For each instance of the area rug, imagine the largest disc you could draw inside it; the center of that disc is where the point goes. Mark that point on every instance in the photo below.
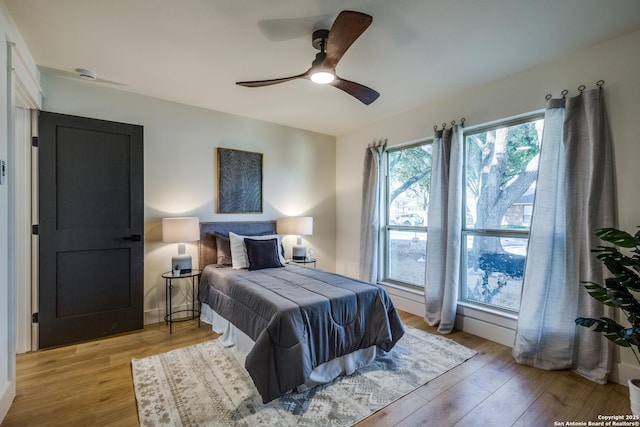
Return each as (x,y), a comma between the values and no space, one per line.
(205,385)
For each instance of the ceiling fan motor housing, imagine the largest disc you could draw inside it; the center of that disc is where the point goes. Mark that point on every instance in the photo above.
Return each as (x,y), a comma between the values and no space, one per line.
(319,39)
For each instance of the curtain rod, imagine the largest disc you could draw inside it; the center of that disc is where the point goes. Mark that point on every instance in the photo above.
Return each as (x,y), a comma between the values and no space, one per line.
(581,88)
(453,122)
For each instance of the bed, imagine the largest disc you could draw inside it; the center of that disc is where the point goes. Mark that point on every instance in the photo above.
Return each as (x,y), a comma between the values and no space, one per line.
(295,326)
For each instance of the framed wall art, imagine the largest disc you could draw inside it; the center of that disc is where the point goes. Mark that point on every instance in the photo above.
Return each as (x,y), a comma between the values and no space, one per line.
(239,181)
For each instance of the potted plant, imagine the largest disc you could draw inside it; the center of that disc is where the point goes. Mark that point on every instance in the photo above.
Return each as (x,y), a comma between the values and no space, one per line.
(176,270)
(618,292)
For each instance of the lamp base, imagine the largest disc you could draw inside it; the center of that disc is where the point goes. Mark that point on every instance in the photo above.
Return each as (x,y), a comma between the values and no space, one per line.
(299,253)
(183,261)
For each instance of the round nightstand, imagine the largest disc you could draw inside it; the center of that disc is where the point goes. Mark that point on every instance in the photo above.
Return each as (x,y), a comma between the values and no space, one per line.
(169,277)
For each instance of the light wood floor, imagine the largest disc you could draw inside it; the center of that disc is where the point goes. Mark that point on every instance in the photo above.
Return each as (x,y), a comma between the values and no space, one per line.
(90,384)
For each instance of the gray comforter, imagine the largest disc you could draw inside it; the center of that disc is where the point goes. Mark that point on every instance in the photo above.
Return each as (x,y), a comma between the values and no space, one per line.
(299,318)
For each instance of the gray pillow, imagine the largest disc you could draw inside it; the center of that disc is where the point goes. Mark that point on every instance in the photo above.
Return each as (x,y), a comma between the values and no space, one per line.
(223,248)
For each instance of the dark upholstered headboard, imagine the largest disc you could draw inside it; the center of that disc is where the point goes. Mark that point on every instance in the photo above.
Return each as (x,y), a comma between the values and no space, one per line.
(207,253)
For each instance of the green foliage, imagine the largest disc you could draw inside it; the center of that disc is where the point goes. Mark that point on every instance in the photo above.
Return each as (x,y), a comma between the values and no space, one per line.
(522,146)
(618,290)
(410,170)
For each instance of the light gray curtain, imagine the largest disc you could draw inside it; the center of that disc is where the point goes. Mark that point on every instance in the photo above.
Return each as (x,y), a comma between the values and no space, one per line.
(575,195)
(371,211)
(444,225)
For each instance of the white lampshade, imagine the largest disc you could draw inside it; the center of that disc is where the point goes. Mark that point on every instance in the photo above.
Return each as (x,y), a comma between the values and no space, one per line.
(299,226)
(180,230)
(296,225)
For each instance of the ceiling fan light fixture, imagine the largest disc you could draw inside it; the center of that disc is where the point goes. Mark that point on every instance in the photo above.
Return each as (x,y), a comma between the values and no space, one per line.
(322,77)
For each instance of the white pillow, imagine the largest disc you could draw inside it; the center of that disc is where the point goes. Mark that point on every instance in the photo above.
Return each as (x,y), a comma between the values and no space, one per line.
(239,258)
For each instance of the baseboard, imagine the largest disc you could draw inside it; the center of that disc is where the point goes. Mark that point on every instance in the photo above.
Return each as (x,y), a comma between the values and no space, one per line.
(6,399)
(621,372)
(153,316)
(492,332)
(405,300)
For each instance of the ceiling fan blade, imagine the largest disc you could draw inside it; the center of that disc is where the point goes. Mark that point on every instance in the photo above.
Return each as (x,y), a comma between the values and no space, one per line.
(346,29)
(260,83)
(365,94)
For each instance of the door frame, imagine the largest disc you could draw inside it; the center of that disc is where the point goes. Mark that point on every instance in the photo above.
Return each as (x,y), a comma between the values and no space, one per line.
(21,224)
(26,94)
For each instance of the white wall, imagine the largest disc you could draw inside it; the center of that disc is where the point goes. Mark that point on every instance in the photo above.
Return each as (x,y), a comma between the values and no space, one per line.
(179,158)
(616,61)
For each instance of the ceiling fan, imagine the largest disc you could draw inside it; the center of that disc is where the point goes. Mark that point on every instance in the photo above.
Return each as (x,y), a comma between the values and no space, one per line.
(332,44)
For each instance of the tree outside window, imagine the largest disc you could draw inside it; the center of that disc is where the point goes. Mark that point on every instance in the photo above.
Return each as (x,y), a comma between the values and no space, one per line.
(408,179)
(501,168)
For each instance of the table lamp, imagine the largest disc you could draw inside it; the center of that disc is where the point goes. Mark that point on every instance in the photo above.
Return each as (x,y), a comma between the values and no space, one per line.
(298,226)
(180,230)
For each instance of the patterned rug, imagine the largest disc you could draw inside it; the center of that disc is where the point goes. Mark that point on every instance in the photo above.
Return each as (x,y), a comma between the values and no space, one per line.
(205,385)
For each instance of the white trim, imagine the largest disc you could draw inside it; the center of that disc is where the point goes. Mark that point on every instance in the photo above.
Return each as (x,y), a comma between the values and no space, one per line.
(486,325)
(488,313)
(621,372)
(25,92)
(7,394)
(34,239)
(28,91)
(507,121)
(410,144)
(409,300)
(7,281)
(156,315)
(21,175)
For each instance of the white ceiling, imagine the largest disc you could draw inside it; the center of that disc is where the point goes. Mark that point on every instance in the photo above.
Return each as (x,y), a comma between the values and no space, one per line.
(415,51)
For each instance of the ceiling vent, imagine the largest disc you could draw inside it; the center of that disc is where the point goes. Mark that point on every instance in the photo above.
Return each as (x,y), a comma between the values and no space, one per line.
(86,74)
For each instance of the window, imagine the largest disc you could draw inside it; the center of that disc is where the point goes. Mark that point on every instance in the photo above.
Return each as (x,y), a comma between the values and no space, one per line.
(407,196)
(500,168)
(500,171)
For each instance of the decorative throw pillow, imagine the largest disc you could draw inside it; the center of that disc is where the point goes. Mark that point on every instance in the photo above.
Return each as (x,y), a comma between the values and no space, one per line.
(223,249)
(262,253)
(239,251)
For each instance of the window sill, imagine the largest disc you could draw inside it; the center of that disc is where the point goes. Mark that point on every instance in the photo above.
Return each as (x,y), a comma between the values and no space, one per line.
(466,306)
(407,289)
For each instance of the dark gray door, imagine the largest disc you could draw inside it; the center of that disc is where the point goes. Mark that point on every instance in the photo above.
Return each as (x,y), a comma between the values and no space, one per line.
(90,227)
